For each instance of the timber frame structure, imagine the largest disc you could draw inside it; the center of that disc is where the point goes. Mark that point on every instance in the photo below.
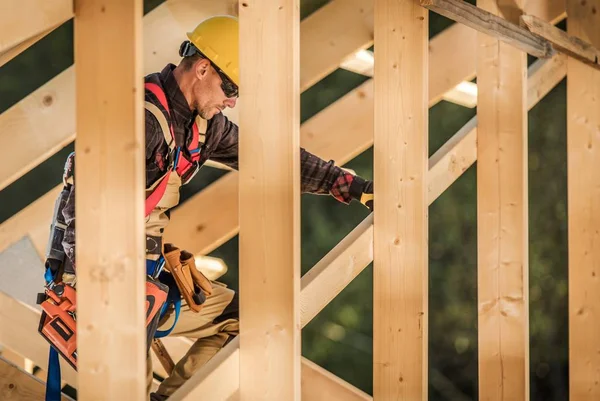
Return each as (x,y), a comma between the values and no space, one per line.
(389,112)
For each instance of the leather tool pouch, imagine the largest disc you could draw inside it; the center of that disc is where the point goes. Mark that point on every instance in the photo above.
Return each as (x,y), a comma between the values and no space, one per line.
(192,284)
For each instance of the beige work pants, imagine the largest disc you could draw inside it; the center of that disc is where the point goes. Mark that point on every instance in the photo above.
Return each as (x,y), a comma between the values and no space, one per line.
(210,337)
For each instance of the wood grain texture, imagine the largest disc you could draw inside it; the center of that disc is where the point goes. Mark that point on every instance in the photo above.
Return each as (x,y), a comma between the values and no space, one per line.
(502,214)
(400,245)
(21,20)
(570,45)
(269,200)
(490,24)
(18,331)
(325,39)
(18,385)
(583,180)
(109,204)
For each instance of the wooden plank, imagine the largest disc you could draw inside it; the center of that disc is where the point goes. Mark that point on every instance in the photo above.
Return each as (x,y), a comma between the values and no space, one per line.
(570,45)
(18,331)
(269,195)
(21,20)
(18,385)
(400,220)
(502,211)
(111,332)
(328,27)
(14,51)
(460,152)
(490,24)
(319,384)
(543,76)
(325,280)
(583,180)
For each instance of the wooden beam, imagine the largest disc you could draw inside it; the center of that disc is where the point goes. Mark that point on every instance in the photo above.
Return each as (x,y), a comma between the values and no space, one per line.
(319,384)
(325,39)
(111,333)
(18,331)
(325,280)
(18,385)
(14,51)
(570,45)
(490,24)
(22,20)
(269,200)
(583,179)
(502,216)
(400,152)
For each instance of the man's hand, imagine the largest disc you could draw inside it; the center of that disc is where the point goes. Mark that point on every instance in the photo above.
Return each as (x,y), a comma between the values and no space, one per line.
(367,196)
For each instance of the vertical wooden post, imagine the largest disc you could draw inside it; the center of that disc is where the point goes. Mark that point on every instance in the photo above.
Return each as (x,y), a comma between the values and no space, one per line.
(502,215)
(269,200)
(110,197)
(583,155)
(400,221)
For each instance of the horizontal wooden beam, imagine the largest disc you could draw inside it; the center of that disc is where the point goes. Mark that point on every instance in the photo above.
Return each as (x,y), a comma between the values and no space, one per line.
(319,384)
(22,20)
(570,45)
(325,39)
(18,385)
(488,23)
(321,284)
(14,51)
(19,332)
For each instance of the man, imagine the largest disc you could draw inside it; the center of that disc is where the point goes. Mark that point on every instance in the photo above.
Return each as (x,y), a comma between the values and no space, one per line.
(185,127)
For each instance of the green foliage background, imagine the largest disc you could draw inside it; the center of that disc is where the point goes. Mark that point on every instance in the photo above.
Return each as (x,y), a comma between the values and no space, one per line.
(340,337)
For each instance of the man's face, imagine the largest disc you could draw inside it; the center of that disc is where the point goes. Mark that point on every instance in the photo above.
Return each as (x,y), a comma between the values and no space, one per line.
(208,93)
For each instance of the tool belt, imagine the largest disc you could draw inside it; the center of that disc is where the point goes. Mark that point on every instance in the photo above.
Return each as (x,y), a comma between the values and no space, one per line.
(192,284)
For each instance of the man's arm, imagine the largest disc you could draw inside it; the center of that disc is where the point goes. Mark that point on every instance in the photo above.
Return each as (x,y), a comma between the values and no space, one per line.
(324,177)
(317,175)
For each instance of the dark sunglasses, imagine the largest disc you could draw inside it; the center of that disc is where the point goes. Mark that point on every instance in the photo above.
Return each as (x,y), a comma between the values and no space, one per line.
(229,88)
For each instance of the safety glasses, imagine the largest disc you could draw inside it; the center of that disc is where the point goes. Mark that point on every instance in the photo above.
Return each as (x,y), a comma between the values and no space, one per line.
(229,88)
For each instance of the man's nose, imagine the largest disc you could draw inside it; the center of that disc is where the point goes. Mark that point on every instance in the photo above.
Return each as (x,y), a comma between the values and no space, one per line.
(230,102)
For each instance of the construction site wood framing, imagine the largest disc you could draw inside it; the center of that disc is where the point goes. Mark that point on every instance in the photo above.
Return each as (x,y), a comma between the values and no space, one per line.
(389,112)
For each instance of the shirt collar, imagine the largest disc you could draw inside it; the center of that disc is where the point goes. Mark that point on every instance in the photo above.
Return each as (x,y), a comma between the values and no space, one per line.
(181,114)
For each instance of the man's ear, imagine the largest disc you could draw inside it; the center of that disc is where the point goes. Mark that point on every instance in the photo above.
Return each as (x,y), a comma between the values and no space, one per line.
(201,68)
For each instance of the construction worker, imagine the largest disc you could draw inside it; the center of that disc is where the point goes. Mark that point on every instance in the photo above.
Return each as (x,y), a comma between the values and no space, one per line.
(185,127)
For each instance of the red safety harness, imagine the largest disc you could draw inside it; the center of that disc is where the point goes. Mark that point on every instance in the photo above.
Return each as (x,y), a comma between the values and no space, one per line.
(185,169)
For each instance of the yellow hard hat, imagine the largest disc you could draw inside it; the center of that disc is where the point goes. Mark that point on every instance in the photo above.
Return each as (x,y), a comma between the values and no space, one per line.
(217,38)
